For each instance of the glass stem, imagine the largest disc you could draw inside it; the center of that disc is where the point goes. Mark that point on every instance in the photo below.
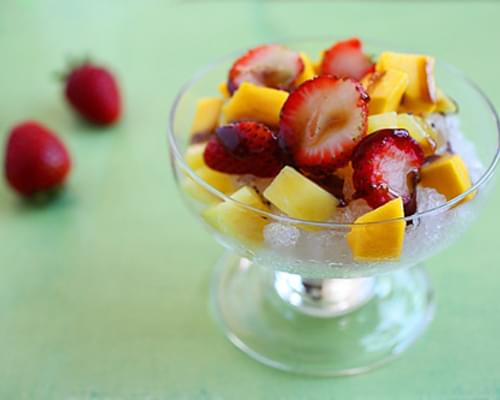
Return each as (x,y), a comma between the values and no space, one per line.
(323,298)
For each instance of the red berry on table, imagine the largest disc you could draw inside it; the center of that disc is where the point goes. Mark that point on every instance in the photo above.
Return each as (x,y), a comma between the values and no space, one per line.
(386,164)
(94,93)
(346,59)
(245,147)
(321,122)
(271,65)
(36,160)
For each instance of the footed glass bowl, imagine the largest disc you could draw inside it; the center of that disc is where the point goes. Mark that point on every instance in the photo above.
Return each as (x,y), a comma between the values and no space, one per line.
(297,300)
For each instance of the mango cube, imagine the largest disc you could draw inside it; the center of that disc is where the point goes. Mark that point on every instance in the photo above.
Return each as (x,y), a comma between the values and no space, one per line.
(224,183)
(206,117)
(415,127)
(420,94)
(317,65)
(299,197)
(236,221)
(194,155)
(444,104)
(251,102)
(382,241)
(223,90)
(386,90)
(197,192)
(438,140)
(308,71)
(448,175)
(382,121)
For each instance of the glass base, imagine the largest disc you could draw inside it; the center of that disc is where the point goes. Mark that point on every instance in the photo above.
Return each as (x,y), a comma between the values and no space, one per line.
(270,327)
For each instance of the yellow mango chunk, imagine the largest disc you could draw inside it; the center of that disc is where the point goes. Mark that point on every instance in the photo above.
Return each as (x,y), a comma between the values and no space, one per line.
(415,127)
(194,155)
(378,242)
(382,121)
(386,90)
(444,104)
(237,221)
(206,117)
(223,90)
(251,102)
(198,192)
(317,65)
(308,72)
(448,175)
(299,197)
(420,95)
(367,80)
(224,183)
(438,141)
(416,108)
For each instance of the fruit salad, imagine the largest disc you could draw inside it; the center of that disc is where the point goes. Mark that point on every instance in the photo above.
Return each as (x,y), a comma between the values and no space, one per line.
(348,140)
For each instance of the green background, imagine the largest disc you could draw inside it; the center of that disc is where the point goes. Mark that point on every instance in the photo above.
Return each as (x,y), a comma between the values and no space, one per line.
(103,293)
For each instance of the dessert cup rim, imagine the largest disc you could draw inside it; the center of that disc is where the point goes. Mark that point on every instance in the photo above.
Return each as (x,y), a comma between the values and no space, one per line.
(201,73)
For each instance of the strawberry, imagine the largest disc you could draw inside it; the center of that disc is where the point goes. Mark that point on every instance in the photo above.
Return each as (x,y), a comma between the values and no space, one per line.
(94,94)
(386,165)
(321,122)
(36,159)
(245,147)
(271,65)
(346,59)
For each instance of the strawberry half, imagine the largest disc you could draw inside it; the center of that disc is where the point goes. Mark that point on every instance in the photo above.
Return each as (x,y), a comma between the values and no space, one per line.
(346,59)
(386,165)
(36,160)
(245,147)
(271,65)
(321,122)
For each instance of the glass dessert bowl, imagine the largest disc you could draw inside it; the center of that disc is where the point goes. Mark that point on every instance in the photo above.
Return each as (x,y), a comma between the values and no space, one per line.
(345,290)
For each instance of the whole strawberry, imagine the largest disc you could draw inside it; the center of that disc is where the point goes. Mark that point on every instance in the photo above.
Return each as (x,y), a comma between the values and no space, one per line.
(36,160)
(94,94)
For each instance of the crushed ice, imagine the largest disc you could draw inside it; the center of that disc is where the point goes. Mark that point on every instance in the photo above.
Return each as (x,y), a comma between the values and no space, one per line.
(280,235)
(425,236)
(428,198)
(449,128)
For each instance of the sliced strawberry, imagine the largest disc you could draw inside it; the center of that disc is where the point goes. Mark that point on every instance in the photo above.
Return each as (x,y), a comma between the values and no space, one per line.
(346,59)
(386,165)
(321,122)
(245,147)
(217,157)
(271,65)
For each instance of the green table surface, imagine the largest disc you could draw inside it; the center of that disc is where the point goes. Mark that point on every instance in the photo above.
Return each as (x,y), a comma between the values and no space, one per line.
(104,293)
